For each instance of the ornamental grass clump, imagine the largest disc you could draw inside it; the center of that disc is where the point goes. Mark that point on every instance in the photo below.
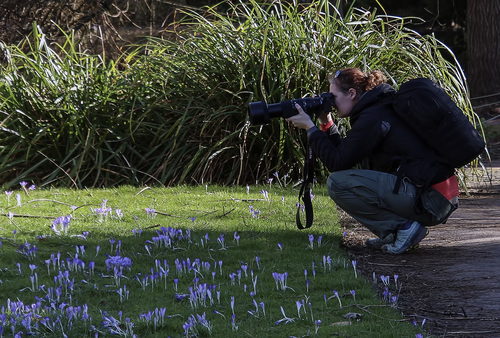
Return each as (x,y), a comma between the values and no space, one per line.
(175,111)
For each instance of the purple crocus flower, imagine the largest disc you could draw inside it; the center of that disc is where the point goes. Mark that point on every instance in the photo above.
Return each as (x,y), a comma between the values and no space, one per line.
(118,261)
(61,225)
(151,212)
(119,213)
(265,194)
(336,294)
(317,325)
(221,241)
(244,267)
(234,327)
(311,241)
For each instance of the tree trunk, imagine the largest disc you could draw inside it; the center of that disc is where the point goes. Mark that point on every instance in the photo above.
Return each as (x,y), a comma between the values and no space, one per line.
(483,26)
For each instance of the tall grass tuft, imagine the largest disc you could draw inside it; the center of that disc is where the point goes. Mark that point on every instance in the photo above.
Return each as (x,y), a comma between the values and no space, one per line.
(61,114)
(175,111)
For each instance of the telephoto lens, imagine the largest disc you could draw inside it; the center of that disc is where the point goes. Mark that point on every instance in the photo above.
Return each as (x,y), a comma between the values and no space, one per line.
(261,113)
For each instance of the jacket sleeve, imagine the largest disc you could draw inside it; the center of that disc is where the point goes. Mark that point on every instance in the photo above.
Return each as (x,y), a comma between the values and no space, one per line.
(344,153)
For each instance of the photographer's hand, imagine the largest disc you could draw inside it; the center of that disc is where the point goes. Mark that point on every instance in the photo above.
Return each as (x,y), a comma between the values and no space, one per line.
(301,120)
(325,118)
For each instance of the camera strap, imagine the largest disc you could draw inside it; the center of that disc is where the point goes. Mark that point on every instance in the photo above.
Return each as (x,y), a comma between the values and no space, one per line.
(305,191)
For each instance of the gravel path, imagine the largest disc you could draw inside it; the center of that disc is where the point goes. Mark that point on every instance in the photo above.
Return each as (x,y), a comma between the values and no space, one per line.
(453,279)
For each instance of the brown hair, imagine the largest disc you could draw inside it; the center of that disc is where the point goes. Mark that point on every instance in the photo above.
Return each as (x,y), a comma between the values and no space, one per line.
(354,78)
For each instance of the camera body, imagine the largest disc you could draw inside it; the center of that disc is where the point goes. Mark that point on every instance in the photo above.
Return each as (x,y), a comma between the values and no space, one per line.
(261,113)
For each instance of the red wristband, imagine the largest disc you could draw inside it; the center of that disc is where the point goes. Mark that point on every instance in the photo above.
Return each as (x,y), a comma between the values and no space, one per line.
(326,126)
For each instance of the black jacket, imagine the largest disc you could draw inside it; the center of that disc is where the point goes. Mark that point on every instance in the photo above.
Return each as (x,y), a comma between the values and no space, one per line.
(379,140)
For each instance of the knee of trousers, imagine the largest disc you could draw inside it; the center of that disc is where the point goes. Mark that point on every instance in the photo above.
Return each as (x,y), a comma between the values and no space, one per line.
(336,184)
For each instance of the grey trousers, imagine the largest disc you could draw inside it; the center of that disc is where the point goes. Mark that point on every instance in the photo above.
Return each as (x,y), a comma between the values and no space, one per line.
(368,197)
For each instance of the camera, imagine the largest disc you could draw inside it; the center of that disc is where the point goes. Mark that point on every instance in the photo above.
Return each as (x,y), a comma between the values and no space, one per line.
(261,113)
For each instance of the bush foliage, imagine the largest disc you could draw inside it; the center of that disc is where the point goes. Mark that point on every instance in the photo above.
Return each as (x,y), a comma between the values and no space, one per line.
(175,111)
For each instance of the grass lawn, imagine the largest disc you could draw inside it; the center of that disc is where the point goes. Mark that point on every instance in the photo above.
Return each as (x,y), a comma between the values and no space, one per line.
(185,261)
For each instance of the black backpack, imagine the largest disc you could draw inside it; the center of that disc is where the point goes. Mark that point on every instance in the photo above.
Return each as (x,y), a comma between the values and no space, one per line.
(424,106)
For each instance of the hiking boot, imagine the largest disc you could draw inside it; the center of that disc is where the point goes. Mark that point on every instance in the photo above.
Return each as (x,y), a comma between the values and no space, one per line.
(377,243)
(406,239)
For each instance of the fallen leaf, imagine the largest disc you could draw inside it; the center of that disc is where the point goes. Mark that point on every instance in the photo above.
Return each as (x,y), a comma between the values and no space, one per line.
(353,315)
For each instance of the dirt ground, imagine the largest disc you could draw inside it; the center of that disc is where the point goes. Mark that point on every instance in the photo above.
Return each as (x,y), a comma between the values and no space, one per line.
(453,279)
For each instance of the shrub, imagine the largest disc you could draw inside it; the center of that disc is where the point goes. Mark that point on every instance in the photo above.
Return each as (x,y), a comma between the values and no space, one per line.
(175,111)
